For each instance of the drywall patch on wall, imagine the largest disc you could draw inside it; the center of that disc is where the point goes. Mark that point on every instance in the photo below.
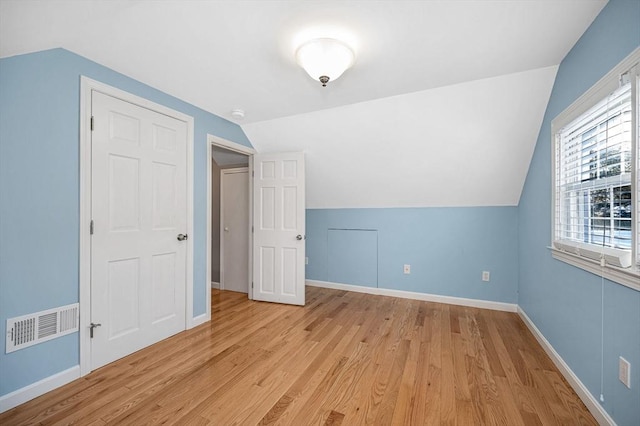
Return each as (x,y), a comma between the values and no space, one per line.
(353,256)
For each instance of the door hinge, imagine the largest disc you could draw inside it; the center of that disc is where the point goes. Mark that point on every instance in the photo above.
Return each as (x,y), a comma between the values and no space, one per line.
(251,284)
(252,229)
(253,174)
(92,123)
(91,227)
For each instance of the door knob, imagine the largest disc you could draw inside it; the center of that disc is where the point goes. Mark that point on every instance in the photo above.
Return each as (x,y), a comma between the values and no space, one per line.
(91,327)
(182,237)
(298,237)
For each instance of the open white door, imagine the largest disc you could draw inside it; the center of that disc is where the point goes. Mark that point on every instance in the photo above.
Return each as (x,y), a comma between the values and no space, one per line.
(279,228)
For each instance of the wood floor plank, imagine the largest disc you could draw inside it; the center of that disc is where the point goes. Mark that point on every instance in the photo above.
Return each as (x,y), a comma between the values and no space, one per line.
(432,371)
(388,402)
(508,402)
(448,383)
(571,402)
(345,358)
(269,385)
(334,419)
(337,397)
(314,374)
(313,403)
(276,410)
(402,410)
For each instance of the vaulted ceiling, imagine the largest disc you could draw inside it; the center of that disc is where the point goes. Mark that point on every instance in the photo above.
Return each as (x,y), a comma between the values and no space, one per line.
(442,107)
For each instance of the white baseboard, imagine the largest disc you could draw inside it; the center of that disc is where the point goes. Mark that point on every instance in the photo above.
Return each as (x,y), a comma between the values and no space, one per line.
(38,388)
(474,303)
(215,285)
(589,400)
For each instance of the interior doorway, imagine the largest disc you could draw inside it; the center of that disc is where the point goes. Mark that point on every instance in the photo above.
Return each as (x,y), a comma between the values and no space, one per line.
(228,272)
(276,222)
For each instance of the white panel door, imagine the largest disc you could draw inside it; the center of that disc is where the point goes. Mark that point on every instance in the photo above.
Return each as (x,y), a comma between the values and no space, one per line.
(234,218)
(138,208)
(279,228)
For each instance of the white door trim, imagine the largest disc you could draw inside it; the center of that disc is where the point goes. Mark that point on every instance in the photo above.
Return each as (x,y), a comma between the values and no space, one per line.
(218,141)
(86,87)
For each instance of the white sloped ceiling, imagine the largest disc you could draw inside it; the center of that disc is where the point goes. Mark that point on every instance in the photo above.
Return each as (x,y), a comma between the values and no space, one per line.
(464,145)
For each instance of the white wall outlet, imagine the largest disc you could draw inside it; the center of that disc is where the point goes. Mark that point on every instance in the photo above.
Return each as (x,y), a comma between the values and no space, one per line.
(624,372)
(306,260)
(407,269)
(486,275)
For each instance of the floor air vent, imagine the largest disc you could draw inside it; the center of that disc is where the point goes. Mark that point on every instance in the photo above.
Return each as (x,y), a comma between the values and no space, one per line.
(39,327)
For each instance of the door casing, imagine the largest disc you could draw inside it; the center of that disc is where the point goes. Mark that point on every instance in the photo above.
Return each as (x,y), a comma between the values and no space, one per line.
(88,85)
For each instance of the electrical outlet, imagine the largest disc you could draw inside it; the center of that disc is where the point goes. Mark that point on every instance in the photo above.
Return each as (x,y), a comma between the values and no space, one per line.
(486,275)
(624,372)
(306,260)
(407,269)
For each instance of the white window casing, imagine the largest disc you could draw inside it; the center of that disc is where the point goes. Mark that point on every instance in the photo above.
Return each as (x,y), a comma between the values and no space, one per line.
(596,178)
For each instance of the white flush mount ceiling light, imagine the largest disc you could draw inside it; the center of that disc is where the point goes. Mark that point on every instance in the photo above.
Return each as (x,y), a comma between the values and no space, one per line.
(325,59)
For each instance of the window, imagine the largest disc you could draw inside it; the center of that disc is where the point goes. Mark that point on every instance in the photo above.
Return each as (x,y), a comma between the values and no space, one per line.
(596,177)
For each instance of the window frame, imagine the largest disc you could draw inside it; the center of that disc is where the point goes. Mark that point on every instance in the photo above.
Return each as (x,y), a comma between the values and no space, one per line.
(570,252)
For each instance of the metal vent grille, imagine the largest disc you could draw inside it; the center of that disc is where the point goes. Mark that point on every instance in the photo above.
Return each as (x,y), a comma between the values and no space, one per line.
(39,327)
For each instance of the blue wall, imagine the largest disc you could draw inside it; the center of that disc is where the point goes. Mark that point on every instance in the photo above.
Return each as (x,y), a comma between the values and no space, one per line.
(39,196)
(447,248)
(353,256)
(563,301)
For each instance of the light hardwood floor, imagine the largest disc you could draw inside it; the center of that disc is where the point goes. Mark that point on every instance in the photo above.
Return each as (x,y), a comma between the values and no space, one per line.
(345,358)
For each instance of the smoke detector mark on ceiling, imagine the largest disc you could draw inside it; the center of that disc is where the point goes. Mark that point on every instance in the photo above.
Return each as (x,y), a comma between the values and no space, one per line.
(237,113)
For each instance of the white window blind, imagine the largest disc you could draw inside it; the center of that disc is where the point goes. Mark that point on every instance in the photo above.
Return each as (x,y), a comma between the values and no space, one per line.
(593,177)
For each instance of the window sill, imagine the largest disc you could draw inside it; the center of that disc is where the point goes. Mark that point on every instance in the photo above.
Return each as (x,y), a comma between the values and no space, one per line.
(629,277)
